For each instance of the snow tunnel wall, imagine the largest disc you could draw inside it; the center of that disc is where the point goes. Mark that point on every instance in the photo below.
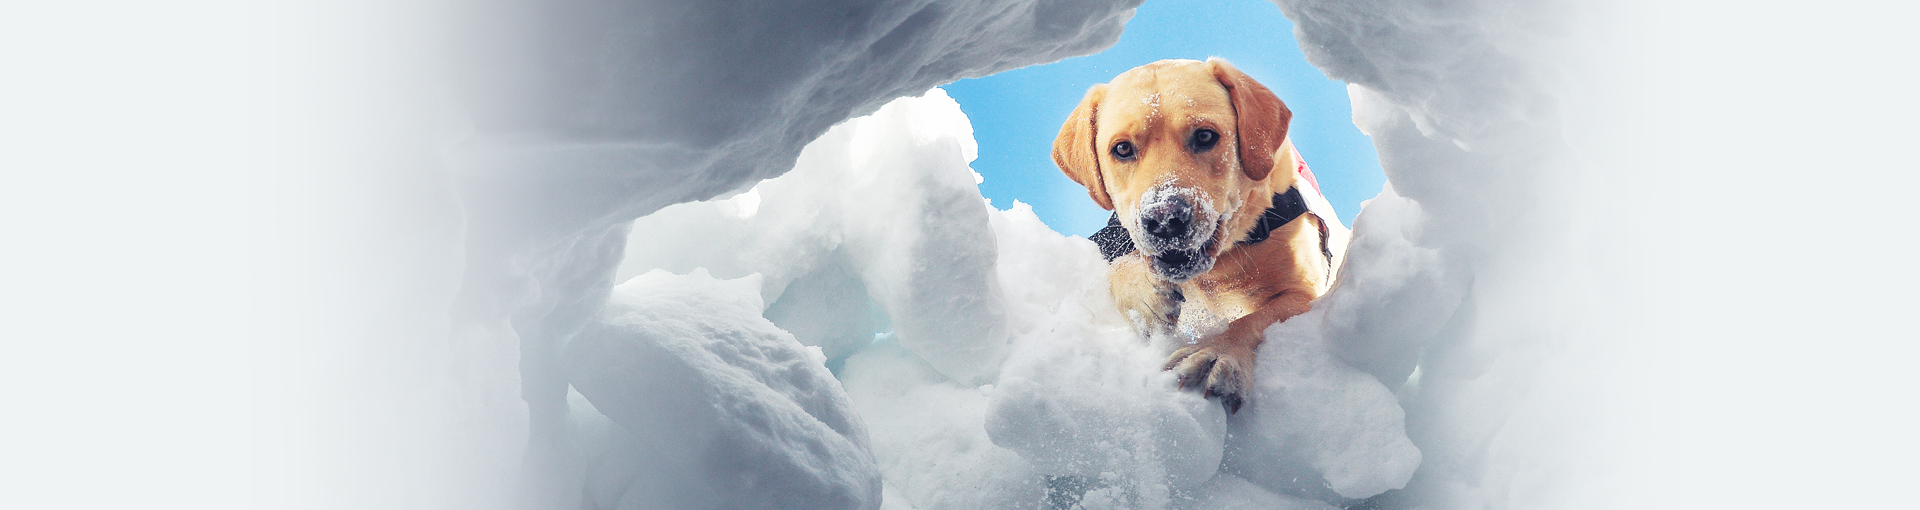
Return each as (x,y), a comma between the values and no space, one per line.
(587,115)
(1483,255)
(236,232)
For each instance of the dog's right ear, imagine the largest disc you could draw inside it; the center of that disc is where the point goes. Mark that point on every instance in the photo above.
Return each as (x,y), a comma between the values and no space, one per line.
(1074,152)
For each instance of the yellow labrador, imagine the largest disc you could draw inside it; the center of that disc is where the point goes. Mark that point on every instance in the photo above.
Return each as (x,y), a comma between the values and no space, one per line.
(1194,160)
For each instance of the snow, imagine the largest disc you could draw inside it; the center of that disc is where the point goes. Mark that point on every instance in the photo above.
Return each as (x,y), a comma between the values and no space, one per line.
(337,254)
(716,407)
(1034,376)
(927,436)
(584,116)
(1228,492)
(880,209)
(576,118)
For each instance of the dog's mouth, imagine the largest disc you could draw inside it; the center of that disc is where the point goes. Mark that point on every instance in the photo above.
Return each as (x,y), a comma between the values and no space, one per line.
(1181,265)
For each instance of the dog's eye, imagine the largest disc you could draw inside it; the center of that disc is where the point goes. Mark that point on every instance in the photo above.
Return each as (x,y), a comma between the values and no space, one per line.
(1204,139)
(1123,150)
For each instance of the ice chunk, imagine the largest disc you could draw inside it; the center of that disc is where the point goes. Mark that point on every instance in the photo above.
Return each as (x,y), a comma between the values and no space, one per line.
(720,408)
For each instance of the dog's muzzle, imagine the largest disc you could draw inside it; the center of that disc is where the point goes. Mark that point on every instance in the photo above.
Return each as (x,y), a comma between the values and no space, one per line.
(1176,235)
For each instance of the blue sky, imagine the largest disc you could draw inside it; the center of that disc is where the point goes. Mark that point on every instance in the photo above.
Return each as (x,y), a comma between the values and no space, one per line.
(1015,114)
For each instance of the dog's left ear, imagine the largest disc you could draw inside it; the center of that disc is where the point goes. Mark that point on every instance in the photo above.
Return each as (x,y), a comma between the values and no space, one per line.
(1073,150)
(1261,118)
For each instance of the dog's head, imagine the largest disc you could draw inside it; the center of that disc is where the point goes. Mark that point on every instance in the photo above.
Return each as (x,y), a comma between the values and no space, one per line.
(1183,151)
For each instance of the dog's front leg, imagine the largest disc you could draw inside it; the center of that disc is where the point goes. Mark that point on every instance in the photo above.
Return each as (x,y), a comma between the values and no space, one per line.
(1223,365)
(1150,303)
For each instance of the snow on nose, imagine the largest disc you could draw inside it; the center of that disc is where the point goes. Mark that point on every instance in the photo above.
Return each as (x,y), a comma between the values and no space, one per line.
(1169,219)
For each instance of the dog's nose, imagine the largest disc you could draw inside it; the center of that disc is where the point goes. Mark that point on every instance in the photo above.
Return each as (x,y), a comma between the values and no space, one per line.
(1169,219)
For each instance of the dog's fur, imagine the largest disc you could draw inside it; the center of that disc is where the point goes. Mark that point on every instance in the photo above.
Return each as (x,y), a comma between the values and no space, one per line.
(1220,190)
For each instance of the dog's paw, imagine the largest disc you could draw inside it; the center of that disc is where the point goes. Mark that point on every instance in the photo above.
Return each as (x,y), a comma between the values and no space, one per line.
(1154,312)
(1151,304)
(1218,368)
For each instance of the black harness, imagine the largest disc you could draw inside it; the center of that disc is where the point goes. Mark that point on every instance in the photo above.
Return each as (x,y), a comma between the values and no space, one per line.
(1114,241)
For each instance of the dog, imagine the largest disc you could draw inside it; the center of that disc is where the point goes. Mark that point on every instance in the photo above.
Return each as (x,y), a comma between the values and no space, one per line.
(1194,159)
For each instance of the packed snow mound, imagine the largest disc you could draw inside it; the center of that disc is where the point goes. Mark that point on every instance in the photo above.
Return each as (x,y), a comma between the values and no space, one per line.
(717,407)
(881,209)
(1069,403)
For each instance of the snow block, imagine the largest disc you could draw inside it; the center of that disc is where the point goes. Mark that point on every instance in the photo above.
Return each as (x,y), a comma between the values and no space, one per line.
(731,411)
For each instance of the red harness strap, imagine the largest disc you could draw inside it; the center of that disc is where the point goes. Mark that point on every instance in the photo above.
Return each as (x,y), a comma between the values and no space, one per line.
(1300,168)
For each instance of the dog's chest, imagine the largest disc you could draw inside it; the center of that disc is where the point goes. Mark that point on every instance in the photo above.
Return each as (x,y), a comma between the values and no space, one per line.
(1224,297)
(1245,277)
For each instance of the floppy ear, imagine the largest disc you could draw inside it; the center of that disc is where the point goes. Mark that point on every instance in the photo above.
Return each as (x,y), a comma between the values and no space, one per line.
(1074,152)
(1260,116)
